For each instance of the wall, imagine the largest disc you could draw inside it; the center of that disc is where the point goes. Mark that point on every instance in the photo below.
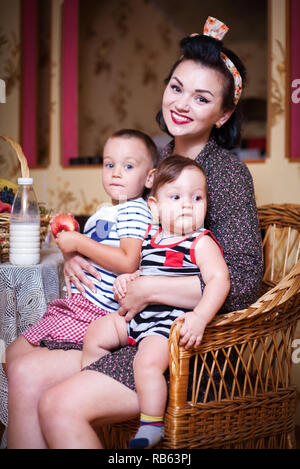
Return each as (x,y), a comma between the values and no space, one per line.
(125,52)
(9,71)
(276,180)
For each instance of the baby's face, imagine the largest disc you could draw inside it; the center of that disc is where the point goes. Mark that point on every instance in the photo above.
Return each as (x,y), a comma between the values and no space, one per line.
(182,203)
(126,165)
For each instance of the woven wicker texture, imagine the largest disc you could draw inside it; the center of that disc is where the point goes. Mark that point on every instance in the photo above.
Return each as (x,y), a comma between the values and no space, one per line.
(234,390)
(5,217)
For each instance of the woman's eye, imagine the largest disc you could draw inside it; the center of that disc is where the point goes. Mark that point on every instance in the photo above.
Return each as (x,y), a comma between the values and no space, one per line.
(201,99)
(175,197)
(175,88)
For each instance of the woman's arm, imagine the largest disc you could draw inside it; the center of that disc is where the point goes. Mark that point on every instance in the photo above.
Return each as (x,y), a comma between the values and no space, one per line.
(233,220)
(125,258)
(180,292)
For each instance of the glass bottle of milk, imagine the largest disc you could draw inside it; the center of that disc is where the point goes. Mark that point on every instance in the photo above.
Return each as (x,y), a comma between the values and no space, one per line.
(24,230)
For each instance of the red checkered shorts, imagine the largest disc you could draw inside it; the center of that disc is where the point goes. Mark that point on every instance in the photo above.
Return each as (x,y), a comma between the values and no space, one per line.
(65,320)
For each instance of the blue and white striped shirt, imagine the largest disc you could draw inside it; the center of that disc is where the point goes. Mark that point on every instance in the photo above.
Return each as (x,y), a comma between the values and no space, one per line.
(107,226)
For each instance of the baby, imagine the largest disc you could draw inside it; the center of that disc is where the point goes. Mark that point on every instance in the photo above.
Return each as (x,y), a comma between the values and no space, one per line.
(179,245)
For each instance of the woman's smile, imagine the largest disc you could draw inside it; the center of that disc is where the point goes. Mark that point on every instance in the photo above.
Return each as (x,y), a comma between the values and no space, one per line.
(180,119)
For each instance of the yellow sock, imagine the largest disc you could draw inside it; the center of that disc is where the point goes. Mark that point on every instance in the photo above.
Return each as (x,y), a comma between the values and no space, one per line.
(151,419)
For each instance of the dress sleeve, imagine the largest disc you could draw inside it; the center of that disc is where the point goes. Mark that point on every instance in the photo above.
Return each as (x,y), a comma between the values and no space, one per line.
(234,222)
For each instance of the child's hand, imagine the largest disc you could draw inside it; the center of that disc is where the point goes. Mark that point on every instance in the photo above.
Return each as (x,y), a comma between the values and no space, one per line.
(120,284)
(67,241)
(192,329)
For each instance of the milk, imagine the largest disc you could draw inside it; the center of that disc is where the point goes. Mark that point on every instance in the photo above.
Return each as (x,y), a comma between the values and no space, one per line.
(24,241)
(24,226)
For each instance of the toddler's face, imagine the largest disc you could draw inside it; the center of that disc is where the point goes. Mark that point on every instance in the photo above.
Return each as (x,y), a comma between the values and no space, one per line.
(126,167)
(182,203)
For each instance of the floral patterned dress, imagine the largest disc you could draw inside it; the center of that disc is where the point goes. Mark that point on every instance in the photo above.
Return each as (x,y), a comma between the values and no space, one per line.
(232,218)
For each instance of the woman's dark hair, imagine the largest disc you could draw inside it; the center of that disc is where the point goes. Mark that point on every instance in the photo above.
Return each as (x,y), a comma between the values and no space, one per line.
(206,51)
(148,142)
(170,168)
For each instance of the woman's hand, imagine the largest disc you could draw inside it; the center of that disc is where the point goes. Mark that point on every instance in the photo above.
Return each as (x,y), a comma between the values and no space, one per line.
(74,268)
(192,329)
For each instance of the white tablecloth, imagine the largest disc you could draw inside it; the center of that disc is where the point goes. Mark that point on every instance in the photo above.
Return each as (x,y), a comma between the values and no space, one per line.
(25,293)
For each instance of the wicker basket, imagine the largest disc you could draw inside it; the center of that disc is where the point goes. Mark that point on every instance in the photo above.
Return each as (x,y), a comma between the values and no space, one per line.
(5,217)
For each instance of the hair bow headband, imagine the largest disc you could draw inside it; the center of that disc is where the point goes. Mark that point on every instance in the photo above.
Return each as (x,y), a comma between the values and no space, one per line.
(216,29)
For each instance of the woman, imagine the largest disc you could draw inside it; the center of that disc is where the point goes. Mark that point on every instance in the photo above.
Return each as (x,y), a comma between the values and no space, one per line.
(55,406)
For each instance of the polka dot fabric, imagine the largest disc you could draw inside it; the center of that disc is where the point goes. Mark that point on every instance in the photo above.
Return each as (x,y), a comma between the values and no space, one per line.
(232,218)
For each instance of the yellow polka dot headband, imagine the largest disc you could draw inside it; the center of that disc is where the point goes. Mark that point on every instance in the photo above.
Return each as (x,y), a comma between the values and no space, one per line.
(216,29)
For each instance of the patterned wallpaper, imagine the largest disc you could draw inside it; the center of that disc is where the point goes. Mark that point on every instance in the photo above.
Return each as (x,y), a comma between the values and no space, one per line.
(277,97)
(10,73)
(126,49)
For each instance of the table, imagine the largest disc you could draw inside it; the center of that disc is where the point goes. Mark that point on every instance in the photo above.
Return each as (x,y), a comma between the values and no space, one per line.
(25,293)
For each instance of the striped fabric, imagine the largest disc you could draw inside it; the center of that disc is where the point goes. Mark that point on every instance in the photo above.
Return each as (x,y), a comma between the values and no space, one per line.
(171,259)
(151,420)
(107,226)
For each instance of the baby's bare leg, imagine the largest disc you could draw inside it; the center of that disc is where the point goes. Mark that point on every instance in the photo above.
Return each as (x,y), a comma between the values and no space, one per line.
(150,363)
(102,336)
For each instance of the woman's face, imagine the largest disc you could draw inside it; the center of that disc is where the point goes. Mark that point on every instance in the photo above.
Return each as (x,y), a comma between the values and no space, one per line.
(192,101)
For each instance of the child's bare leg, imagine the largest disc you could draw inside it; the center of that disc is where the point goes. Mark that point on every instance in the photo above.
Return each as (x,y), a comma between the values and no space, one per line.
(150,363)
(102,336)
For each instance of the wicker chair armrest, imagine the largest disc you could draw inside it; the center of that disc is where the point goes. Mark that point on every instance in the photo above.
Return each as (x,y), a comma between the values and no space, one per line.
(279,214)
(269,313)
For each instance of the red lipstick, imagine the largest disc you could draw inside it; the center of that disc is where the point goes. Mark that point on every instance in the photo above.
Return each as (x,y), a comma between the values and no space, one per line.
(180,119)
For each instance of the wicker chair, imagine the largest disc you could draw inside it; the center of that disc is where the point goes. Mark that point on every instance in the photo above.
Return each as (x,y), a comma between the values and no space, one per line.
(235,390)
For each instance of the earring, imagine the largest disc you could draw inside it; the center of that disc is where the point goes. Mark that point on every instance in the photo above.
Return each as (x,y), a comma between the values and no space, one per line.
(218,125)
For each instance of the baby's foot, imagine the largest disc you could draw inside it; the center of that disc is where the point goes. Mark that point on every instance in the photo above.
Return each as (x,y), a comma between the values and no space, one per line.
(147,436)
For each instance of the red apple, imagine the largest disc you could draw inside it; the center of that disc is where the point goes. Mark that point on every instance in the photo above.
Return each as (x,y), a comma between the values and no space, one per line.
(63,222)
(4,207)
